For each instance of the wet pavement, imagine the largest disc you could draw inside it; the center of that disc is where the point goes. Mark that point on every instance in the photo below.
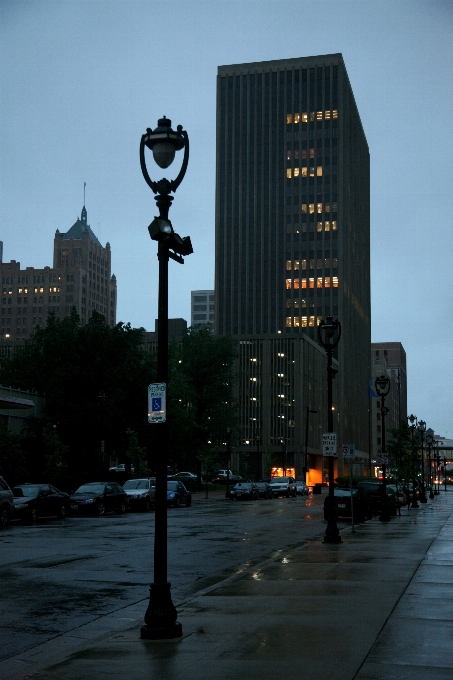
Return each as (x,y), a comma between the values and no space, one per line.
(377,606)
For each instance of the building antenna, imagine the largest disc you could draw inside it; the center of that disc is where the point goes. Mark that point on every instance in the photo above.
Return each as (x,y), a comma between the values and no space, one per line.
(84,185)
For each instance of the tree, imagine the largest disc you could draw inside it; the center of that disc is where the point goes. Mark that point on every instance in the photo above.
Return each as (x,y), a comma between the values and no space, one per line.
(404,454)
(72,365)
(201,394)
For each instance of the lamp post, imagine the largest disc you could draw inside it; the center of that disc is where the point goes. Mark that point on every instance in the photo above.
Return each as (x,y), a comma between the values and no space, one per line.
(382,385)
(413,424)
(422,430)
(329,333)
(308,411)
(429,441)
(161,615)
(438,471)
(228,432)
(258,455)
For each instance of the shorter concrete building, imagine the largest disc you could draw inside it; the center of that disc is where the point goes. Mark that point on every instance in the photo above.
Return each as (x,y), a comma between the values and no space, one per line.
(202,308)
(176,329)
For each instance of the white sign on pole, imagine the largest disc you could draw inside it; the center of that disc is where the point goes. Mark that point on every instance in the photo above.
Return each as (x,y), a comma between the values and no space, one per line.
(329,444)
(157,403)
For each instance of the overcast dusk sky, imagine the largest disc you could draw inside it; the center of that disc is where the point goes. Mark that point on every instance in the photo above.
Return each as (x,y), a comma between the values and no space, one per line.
(82,80)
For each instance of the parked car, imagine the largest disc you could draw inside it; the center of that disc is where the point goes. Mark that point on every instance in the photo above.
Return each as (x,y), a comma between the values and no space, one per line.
(245,491)
(97,498)
(184,476)
(283,486)
(177,494)
(401,498)
(39,500)
(342,501)
(301,488)
(374,491)
(6,503)
(264,490)
(141,493)
(221,477)
(122,468)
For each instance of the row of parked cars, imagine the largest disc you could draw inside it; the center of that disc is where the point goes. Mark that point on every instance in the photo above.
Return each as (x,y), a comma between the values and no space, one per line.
(276,486)
(27,502)
(363,501)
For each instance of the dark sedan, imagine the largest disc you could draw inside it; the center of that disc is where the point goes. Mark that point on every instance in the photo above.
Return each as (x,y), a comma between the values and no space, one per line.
(264,490)
(177,494)
(97,498)
(244,491)
(342,504)
(39,500)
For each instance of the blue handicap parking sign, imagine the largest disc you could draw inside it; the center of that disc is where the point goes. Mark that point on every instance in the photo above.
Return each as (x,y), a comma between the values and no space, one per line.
(157,404)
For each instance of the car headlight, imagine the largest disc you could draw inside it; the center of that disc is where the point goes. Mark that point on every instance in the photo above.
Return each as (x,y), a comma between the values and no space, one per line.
(22,506)
(172,495)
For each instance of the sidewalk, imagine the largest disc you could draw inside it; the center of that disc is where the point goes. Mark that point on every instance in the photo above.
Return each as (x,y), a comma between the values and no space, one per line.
(377,606)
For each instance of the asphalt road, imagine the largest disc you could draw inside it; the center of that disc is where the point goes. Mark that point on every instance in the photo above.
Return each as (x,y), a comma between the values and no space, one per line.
(60,574)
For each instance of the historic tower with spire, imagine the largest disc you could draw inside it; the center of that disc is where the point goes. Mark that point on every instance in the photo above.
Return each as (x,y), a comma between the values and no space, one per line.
(80,277)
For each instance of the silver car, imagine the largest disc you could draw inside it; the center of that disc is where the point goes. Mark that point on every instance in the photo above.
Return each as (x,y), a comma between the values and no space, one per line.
(283,486)
(301,488)
(141,493)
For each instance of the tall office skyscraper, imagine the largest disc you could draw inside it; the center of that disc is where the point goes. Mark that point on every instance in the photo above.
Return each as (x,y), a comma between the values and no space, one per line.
(292,215)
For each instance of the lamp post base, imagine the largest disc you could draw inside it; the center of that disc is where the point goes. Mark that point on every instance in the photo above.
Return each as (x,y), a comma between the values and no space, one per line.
(161,615)
(431,494)
(332,534)
(384,517)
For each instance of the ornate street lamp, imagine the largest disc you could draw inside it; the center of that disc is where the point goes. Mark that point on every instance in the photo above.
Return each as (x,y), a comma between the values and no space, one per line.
(382,385)
(329,333)
(161,615)
(422,430)
(429,441)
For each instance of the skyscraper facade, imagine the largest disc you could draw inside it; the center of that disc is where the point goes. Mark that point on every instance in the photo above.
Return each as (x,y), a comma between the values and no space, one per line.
(80,277)
(292,216)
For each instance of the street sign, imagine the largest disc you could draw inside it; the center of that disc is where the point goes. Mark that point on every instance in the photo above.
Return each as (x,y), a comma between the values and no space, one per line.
(329,444)
(382,458)
(348,450)
(157,403)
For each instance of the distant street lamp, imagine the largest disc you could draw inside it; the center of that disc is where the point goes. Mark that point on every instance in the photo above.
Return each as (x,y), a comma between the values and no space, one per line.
(438,471)
(429,441)
(329,333)
(308,411)
(228,432)
(422,430)
(413,424)
(382,385)
(161,615)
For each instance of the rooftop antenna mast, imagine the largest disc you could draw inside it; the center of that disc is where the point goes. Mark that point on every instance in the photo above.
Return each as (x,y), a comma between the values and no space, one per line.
(84,185)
